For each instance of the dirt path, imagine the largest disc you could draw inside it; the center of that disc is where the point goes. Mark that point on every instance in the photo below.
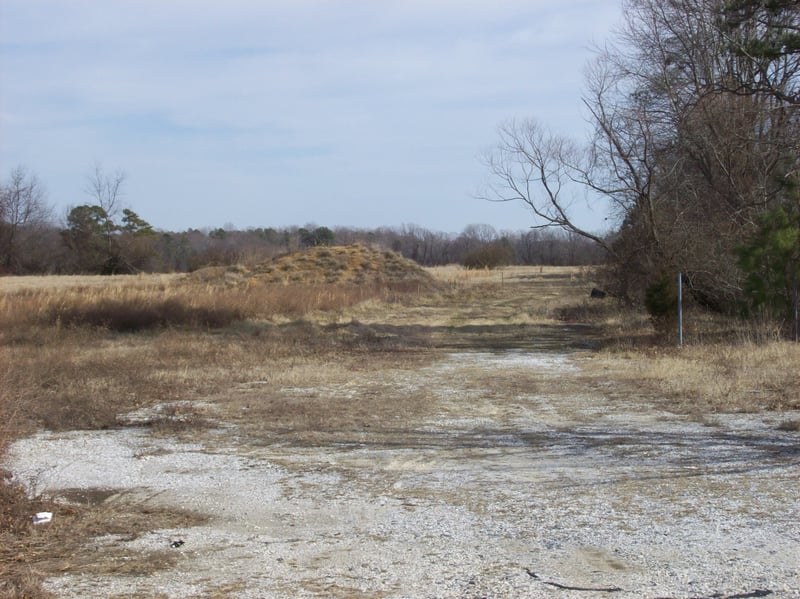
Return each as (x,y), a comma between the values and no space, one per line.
(545,488)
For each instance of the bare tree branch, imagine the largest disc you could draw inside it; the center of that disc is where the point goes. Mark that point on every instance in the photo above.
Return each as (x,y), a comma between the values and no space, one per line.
(531,166)
(104,189)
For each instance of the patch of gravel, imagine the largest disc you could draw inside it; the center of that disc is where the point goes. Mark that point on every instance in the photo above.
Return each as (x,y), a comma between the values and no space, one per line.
(550,495)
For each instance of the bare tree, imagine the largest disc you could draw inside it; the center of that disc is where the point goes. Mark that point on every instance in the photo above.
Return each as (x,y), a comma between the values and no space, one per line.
(106,191)
(695,135)
(532,166)
(716,132)
(479,234)
(23,212)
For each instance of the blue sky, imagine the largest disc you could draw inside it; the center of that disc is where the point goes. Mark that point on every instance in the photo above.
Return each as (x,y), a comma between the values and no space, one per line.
(289,112)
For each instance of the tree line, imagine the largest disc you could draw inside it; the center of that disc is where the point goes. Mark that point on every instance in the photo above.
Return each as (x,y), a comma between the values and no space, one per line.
(104,237)
(694,107)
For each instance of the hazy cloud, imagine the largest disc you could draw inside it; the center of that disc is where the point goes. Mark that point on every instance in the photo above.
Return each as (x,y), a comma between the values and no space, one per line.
(284,112)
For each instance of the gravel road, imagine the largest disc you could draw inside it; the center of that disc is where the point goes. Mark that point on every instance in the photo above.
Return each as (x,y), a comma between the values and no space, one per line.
(539,493)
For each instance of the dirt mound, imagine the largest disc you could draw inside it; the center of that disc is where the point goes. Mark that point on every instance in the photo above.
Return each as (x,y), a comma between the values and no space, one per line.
(351,264)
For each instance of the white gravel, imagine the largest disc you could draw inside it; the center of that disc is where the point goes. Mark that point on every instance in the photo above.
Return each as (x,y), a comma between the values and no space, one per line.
(566,497)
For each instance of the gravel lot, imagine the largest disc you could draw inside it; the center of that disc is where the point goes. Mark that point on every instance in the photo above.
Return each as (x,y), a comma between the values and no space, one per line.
(539,493)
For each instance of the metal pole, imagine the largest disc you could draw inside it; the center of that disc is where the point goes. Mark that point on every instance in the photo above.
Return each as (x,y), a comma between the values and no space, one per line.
(680,309)
(796,318)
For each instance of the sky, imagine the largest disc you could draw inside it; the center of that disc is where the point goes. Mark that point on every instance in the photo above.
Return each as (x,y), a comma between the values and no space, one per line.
(279,113)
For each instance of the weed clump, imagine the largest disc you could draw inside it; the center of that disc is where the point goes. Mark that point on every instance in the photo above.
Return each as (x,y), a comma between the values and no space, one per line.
(124,316)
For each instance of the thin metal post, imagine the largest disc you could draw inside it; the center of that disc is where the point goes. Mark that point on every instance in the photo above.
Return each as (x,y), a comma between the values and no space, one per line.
(680,309)
(796,318)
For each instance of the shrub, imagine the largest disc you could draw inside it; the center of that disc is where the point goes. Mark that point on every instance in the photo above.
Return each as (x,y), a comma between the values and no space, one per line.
(490,255)
(661,301)
(127,316)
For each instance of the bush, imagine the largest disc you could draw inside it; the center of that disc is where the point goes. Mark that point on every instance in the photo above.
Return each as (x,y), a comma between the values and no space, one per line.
(661,301)
(491,255)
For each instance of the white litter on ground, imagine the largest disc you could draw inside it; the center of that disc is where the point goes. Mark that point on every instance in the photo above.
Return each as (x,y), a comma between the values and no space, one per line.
(42,517)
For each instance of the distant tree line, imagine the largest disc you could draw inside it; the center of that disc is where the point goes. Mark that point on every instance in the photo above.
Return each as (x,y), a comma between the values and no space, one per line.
(103,237)
(695,107)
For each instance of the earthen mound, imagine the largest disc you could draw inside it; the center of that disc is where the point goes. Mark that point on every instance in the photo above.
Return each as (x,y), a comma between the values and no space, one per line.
(350,264)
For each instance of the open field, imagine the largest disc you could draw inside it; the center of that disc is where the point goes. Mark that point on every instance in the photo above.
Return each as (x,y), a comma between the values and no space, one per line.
(493,434)
(13,284)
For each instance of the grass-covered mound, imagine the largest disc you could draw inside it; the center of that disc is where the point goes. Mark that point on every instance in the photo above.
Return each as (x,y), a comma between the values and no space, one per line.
(351,264)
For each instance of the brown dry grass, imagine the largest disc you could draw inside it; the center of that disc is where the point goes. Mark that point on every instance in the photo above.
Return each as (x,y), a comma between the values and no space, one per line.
(708,378)
(50,282)
(136,307)
(80,355)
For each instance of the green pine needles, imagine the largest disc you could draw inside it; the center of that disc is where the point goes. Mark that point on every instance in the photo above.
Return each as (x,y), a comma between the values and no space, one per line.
(771,263)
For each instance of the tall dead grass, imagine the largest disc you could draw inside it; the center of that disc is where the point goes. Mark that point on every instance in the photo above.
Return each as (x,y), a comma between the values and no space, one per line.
(134,308)
(745,373)
(725,365)
(745,377)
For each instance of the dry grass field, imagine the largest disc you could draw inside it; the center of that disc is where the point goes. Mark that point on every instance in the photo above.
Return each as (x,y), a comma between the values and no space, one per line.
(77,353)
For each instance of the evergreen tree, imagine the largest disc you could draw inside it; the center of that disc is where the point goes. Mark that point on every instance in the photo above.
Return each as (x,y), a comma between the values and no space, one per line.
(771,262)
